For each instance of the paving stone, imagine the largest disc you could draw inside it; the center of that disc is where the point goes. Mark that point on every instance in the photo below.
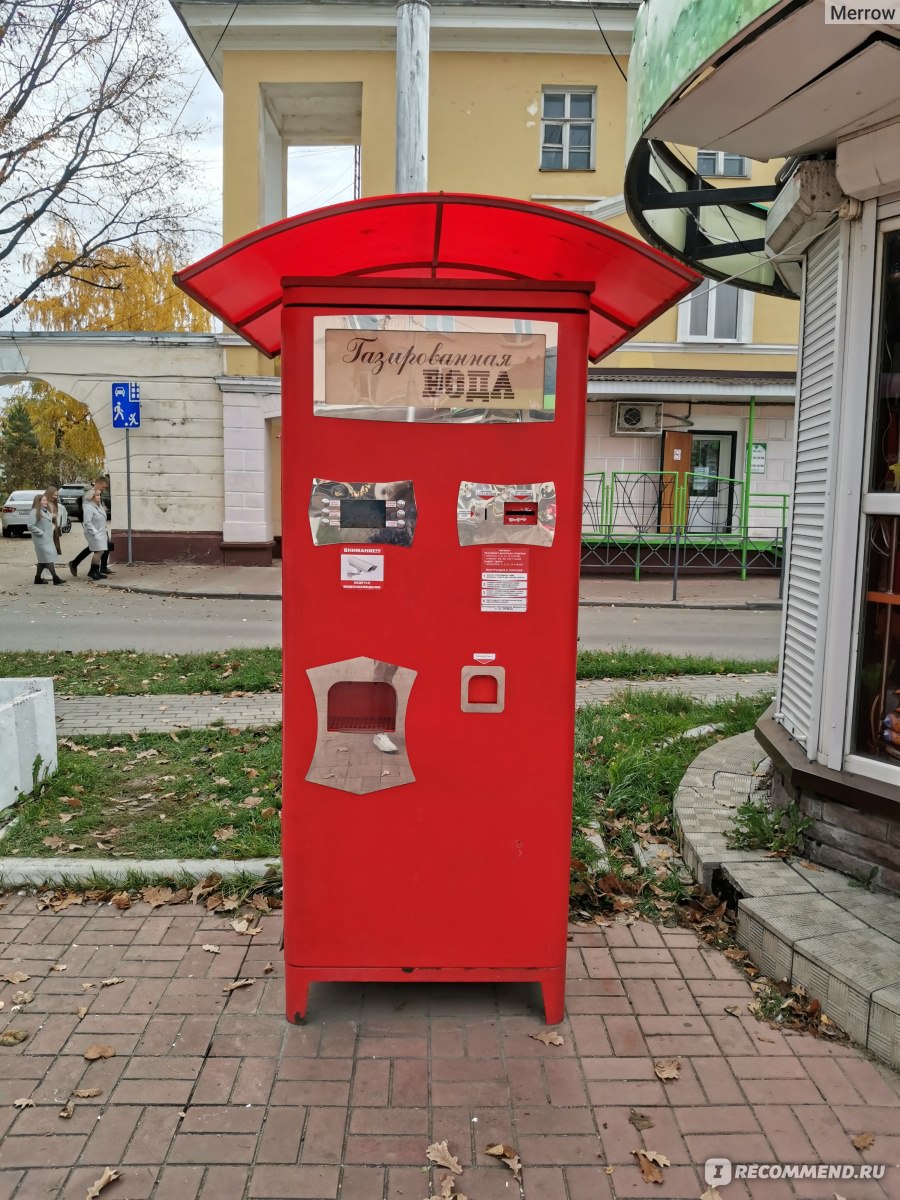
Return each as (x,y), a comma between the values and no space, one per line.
(770,927)
(843,970)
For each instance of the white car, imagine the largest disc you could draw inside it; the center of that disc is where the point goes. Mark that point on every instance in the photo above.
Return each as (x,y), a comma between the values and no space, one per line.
(16,512)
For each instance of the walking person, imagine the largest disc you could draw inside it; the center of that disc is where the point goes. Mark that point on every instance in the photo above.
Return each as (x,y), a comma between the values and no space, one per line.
(94,523)
(42,526)
(93,492)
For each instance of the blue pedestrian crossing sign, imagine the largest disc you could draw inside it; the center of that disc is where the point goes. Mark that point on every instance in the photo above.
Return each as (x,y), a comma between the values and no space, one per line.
(126,405)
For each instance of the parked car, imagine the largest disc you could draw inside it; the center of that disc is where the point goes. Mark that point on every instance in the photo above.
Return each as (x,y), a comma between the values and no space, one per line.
(72,495)
(16,512)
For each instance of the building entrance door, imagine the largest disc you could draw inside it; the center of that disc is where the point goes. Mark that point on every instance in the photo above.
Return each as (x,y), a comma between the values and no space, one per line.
(710,496)
(702,464)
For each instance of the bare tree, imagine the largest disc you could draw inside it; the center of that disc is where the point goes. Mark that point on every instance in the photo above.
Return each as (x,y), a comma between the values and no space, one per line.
(90,91)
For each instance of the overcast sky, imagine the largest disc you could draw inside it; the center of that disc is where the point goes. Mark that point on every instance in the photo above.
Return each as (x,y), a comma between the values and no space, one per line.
(317,175)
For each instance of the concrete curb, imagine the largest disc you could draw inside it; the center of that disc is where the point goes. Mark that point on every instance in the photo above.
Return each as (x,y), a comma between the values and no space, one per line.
(725,605)
(189,593)
(36,872)
(200,594)
(806,924)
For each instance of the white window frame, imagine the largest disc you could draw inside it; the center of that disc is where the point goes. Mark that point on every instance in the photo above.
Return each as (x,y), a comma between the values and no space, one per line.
(871,503)
(744,317)
(566,121)
(720,172)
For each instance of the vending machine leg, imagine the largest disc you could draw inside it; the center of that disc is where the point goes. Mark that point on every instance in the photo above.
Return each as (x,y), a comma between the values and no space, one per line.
(553,990)
(296,995)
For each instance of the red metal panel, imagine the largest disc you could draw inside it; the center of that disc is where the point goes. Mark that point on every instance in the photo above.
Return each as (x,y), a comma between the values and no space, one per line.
(422,880)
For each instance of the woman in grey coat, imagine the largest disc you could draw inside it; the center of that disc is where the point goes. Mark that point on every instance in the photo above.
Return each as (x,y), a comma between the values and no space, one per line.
(42,526)
(93,521)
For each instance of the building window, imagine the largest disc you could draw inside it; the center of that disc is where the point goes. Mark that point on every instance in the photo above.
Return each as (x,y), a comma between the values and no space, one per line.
(717,162)
(877,722)
(715,312)
(567,130)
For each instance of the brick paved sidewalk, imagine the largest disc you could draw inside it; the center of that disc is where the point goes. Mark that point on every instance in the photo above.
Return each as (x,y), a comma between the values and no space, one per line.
(214,1097)
(124,714)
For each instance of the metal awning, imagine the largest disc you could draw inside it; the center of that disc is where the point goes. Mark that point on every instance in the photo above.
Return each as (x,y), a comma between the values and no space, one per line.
(439,236)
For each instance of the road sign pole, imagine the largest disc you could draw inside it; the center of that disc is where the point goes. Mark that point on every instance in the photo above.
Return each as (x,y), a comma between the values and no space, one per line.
(128,487)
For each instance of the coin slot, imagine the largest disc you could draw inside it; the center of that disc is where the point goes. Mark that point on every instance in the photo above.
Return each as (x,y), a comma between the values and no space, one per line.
(483,689)
(520,512)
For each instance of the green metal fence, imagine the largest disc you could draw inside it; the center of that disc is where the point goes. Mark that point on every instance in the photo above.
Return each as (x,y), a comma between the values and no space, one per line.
(688,521)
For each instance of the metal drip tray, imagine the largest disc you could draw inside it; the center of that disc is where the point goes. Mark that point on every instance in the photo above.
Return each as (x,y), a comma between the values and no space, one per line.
(360,724)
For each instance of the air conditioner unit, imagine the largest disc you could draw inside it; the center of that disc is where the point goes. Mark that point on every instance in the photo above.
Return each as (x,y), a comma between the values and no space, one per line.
(632,418)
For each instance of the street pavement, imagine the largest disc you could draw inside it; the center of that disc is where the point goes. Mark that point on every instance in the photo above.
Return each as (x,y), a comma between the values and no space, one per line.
(84,616)
(127,714)
(212,1095)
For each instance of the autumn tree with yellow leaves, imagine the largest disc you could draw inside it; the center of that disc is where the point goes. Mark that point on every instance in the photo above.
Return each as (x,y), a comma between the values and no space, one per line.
(128,289)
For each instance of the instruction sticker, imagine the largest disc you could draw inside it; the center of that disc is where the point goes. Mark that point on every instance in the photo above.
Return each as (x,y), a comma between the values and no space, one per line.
(362,568)
(504,579)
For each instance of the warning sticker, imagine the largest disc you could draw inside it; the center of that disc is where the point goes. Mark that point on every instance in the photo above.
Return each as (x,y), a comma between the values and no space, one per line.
(362,568)
(504,579)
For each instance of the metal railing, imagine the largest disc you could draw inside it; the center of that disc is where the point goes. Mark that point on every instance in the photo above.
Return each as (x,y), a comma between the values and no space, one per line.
(673,522)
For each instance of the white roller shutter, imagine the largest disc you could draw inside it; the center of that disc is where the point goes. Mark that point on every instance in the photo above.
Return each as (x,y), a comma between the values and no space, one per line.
(818,392)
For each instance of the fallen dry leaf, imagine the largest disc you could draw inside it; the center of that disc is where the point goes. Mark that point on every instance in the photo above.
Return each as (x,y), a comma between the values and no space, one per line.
(22,997)
(59,967)
(735,953)
(711,1194)
(507,1154)
(64,818)
(863,1141)
(53,842)
(667,1068)
(549,1038)
(81,1012)
(121,900)
(94,1052)
(12,1037)
(87,1093)
(238,983)
(439,1152)
(651,1165)
(156,896)
(67,1109)
(270,812)
(23,1102)
(608,1170)
(107,1177)
(639,1120)
(261,903)
(210,948)
(113,979)
(16,977)
(733,1010)
(225,834)
(268,969)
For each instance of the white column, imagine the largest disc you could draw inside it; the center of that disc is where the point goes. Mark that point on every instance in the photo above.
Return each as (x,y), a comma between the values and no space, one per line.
(413,36)
(273,170)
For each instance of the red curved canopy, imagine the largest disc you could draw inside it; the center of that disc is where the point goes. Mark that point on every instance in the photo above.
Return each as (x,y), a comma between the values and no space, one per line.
(438,236)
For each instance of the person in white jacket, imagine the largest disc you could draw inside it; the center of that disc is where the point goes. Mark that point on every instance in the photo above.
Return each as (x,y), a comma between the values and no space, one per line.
(42,526)
(94,523)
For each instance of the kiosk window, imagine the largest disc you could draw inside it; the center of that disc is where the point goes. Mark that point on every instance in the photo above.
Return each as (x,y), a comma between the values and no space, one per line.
(363,514)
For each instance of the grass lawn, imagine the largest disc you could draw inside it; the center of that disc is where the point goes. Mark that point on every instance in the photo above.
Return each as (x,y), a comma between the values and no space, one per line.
(217,792)
(108,672)
(627,663)
(111,672)
(626,778)
(200,794)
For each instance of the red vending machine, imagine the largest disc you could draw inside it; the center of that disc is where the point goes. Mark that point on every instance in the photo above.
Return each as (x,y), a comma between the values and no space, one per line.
(433,415)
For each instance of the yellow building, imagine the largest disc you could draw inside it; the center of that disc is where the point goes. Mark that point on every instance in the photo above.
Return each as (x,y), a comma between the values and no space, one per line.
(525,100)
